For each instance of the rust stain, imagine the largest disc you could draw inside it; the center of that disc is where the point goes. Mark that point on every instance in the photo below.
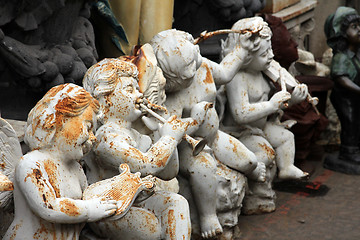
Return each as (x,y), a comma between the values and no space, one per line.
(208,79)
(171,224)
(15,229)
(269,151)
(234,145)
(150,219)
(69,208)
(51,170)
(42,231)
(203,159)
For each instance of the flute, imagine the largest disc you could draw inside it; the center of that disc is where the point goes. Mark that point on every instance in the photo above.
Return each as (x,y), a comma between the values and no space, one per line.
(197,145)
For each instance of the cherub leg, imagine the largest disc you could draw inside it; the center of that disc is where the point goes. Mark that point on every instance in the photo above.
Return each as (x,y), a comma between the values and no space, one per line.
(283,142)
(261,197)
(173,212)
(231,152)
(201,172)
(138,223)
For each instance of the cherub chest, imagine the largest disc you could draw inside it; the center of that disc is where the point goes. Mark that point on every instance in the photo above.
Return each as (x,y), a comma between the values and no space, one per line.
(258,91)
(65,182)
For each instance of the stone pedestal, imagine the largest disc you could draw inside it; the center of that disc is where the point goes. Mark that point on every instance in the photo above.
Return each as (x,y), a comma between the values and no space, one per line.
(299,20)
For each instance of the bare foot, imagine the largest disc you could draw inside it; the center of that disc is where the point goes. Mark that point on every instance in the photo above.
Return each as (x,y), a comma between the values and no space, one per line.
(292,172)
(259,173)
(210,226)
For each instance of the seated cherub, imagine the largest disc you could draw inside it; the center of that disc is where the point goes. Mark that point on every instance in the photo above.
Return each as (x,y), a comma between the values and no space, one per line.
(49,180)
(164,215)
(253,108)
(190,85)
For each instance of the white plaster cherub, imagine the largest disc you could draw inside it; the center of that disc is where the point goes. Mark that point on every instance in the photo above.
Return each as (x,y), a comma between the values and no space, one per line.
(254,111)
(190,84)
(49,180)
(164,215)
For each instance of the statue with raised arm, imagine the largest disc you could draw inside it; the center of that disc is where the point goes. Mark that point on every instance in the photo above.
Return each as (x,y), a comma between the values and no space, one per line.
(163,215)
(342,31)
(254,109)
(49,180)
(190,86)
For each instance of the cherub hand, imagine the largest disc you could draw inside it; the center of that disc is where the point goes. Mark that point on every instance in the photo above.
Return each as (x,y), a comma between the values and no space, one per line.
(175,128)
(279,99)
(98,209)
(198,112)
(247,42)
(151,123)
(299,94)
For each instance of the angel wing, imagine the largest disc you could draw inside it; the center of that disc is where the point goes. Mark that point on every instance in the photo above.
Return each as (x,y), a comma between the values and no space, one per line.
(10,154)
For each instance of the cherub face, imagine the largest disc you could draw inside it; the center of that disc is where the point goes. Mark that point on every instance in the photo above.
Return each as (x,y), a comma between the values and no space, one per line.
(353,33)
(262,57)
(76,136)
(124,100)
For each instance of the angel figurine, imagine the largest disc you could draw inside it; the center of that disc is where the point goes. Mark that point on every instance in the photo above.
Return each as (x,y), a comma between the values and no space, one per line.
(163,215)
(10,155)
(190,85)
(254,108)
(49,180)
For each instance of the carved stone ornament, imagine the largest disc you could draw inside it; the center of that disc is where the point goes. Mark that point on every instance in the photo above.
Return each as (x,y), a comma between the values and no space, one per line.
(122,188)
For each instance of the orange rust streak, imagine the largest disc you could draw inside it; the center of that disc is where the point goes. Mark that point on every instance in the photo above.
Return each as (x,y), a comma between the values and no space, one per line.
(208,79)
(269,151)
(15,228)
(51,170)
(69,208)
(172,225)
(43,188)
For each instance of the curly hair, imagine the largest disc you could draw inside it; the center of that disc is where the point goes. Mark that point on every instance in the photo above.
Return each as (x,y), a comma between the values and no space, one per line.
(102,78)
(48,115)
(255,26)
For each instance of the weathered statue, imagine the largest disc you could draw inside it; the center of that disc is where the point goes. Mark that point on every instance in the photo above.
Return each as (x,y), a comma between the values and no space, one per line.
(49,180)
(10,152)
(163,215)
(342,31)
(190,84)
(254,112)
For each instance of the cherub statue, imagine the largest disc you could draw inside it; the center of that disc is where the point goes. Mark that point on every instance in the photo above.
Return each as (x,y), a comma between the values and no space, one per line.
(163,215)
(190,84)
(10,154)
(342,31)
(254,110)
(49,180)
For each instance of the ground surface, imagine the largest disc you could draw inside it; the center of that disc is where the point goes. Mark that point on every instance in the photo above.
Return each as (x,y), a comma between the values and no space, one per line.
(326,207)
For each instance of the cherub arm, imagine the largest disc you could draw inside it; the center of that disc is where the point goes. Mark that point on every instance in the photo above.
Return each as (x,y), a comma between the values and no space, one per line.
(243,111)
(45,202)
(232,62)
(115,148)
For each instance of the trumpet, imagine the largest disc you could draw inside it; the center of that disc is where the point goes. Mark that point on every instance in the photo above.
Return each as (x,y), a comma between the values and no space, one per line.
(197,145)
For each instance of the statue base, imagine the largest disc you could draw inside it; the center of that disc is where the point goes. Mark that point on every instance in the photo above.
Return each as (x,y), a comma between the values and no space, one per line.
(334,163)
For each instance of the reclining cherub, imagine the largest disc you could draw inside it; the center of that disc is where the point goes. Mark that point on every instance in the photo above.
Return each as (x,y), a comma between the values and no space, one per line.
(164,215)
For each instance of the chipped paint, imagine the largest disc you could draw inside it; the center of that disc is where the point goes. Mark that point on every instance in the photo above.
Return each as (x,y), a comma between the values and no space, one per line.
(122,188)
(69,208)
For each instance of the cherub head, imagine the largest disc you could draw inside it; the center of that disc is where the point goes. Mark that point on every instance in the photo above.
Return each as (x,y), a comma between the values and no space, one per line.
(342,29)
(63,119)
(113,82)
(259,34)
(178,58)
